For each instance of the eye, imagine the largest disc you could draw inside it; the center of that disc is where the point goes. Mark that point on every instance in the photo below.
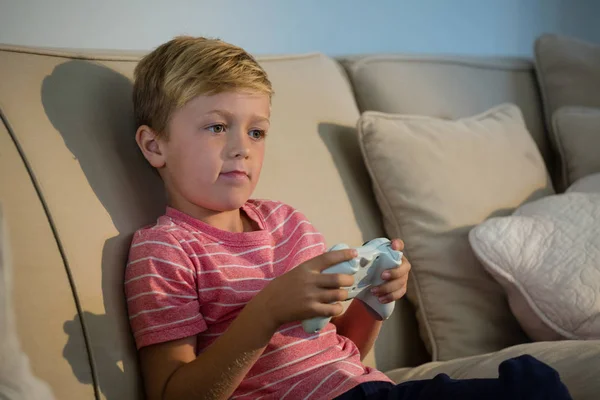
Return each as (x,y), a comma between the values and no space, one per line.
(257,134)
(218,128)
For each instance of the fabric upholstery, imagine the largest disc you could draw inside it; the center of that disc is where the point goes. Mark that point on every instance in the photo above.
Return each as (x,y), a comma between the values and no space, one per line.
(577,134)
(568,72)
(434,179)
(577,362)
(448,88)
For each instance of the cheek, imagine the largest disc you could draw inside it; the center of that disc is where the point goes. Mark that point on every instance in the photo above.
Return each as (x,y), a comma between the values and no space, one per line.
(259,157)
(259,154)
(197,164)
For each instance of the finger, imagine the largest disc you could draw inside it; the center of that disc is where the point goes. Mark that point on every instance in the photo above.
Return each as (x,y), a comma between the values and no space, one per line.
(405,261)
(390,297)
(398,244)
(333,296)
(396,273)
(328,310)
(334,280)
(331,258)
(391,274)
(389,287)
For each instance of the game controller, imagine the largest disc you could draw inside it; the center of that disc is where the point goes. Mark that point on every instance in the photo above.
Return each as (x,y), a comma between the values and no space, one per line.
(374,257)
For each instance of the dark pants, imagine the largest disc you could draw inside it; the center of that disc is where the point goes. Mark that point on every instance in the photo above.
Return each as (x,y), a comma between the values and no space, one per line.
(523,377)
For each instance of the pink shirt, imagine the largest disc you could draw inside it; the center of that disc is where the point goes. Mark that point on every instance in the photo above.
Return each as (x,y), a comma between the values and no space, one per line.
(185,278)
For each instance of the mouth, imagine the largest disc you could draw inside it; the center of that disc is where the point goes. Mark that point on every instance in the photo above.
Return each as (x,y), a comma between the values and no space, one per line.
(235,175)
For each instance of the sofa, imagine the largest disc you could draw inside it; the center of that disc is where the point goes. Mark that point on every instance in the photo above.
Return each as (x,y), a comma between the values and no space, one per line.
(74,188)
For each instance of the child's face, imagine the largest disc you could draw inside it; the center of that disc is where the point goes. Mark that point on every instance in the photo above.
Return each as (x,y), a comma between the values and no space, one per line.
(215,148)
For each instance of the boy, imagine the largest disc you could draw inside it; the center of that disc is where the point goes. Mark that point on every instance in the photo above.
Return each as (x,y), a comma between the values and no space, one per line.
(217,288)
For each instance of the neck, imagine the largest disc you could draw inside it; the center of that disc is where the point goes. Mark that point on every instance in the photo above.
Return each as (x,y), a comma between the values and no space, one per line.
(231,221)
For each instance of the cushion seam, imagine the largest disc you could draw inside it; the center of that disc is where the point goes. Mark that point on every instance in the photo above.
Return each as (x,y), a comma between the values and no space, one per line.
(525,64)
(560,146)
(80,54)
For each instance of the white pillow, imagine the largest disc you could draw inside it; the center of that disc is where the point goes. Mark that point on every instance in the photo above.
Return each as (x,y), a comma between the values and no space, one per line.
(547,258)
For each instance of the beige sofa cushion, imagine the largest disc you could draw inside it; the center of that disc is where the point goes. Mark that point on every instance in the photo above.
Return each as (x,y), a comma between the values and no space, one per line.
(577,134)
(448,87)
(577,362)
(568,72)
(434,180)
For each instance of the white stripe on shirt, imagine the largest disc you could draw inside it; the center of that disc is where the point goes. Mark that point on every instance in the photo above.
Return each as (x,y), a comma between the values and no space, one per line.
(182,296)
(150,311)
(340,385)
(155,276)
(157,242)
(160,260)
(283,223)
(167,324)
(272,211)
(210,289)
(296,374)
(215,271)
(321,383)
(296,342)
(253,250)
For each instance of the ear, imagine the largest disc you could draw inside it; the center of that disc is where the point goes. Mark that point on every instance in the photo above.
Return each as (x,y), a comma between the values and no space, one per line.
(150,146)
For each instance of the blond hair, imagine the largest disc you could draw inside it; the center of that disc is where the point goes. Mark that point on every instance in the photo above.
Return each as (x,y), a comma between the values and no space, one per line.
(186,67)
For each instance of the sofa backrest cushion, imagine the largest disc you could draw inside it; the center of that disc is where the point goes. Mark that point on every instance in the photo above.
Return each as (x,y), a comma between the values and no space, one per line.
(448,87)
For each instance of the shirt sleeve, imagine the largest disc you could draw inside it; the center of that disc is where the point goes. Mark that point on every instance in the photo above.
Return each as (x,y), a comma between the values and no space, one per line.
(160,289)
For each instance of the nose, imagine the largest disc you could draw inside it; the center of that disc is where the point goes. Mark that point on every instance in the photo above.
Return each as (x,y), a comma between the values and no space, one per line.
(238,145)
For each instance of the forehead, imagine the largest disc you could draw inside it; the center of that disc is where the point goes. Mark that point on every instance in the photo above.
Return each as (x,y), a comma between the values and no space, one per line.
(234,103)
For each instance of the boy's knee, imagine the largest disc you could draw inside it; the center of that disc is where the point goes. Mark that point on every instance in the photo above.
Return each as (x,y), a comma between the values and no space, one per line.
(529,378)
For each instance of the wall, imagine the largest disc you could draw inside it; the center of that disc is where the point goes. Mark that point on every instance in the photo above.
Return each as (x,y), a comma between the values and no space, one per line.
(493,27)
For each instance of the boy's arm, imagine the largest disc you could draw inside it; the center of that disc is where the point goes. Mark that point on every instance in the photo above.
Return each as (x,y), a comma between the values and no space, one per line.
(161,291)
(358,325)
(172,371)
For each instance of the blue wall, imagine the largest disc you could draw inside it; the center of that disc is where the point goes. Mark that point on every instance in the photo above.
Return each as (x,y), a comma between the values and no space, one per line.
(488,27)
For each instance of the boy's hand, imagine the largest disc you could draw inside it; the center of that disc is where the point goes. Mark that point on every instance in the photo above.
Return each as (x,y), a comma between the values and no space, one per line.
(396,279)
(304,292)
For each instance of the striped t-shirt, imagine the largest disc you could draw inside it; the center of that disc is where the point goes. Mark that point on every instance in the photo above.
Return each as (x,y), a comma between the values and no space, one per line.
(185,277)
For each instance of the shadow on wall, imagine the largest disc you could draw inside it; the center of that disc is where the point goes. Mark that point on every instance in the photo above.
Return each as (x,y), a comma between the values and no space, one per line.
(90,105)
(342,143)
